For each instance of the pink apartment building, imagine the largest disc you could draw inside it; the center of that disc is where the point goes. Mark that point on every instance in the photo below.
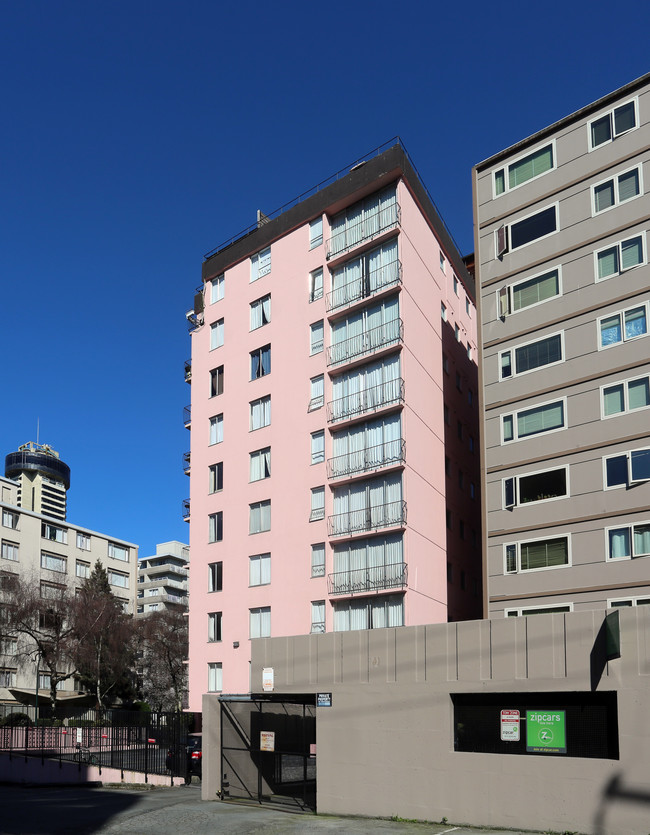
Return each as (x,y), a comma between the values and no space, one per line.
(334,424)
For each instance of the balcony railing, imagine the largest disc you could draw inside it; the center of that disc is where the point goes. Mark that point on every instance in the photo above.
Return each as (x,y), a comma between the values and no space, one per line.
(380,279)
(366,342)
(186,462)
(367,519)
(372,578)
(368,400)
(318,627)
(186,510)
(187,416)
(387,454)
(369,227)
(188,371)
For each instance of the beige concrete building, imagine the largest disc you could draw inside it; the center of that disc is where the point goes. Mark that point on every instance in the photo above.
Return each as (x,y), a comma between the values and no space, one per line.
(54,553)
(563,282)
(162,578)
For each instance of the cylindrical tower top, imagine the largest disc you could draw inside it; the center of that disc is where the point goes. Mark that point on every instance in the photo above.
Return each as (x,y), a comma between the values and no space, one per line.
(40,458)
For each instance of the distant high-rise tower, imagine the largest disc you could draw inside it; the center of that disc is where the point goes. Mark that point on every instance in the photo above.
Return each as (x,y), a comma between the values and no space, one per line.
(44,479)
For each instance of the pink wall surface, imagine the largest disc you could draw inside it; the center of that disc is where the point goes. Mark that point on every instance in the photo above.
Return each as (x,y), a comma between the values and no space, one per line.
(292,589)
(17,769)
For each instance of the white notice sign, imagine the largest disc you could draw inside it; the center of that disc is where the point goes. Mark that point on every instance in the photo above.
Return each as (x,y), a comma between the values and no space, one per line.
(267,679)
(510,720)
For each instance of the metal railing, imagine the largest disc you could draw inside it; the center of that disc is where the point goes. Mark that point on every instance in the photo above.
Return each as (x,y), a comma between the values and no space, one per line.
(367,519)
(317,628)
(186,509)
(369,227)
(187,416)
(188,371)
(367,400)
(186,462)
(371,578)
(380,279)
(366,342)
(388,454)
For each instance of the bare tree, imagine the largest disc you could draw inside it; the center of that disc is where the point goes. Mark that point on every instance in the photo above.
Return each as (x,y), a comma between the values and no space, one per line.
(164,651)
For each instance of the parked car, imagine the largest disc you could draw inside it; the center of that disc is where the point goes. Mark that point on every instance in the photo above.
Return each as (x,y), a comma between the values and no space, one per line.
(186,759)
(195,753)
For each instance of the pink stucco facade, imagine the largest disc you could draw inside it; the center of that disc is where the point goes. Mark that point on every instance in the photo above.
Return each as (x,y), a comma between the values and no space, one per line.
(401,515)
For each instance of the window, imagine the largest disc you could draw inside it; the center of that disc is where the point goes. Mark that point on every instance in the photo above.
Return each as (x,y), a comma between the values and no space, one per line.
(259,570)
(618,121)
(524,169)
(445,363)
(625,397)
(260,622)
(53,563)
(370,329)
(116,578)
(318,560)
(216,429)
(54,534)
(83,541)
(118,552)
(536,555)
(215,527)
(472,490)
(628,542)
(9,551)
(316,232)
(317,447)
(216,381)
(215,477)
(535,487)
(547,417)
(8,646)
(443,262)
(525,231)
(260,312)
(260,517)
(455,285)
(317,616)
(538,610)
(260,413)
(627,468)
(366,388)
(364,275)
(619,189)
(471,443)
(217,286)
(214,627)
(623,326)
(215,576)
(528,293)
(317,504)
(316,285)
(443,312)
(260,464)
(459,382)
(367,505)
(260,362)
(216,334)
(316,338)
(369,613)
(531,355)
(457,332)
(621,256)
(9,519)
(8,678)
(316,392)
(215,677)
(82,569)
(628,601)
(364,220)
(261,264)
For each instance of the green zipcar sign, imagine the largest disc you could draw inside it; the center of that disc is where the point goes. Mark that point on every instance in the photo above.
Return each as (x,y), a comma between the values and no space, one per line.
(546,731)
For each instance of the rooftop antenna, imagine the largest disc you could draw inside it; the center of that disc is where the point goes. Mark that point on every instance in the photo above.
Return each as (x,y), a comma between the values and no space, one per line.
(38,428)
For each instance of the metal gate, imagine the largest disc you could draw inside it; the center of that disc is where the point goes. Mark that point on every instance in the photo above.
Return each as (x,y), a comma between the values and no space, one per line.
(268,749)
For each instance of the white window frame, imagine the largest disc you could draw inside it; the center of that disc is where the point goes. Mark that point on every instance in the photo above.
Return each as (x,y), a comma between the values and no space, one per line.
(49,560)
(259,569)
(216,334)
(259,353)
(316,291)
(118,552)
(259,462)
(455,280)
(214,577)
(256,514)
(10,519)
(626,400)
(215,430)
(261,401)
(505,168)
(215,475)
(117,579)
(630,527)
(614,179)
(443,311)
(516,479)
(215,521)
(215,677)
(505,295)
(627,454)
(317,446)
(260,264)
(215,627)
(618,245)
(316,342)
(514,415)
(519,543)
(257,628)
(610,114)
(511,351)
(10,551)
(82,569)
(317,511)
(562,608)
(316,401)
(61,534)
(624,338)
(508,230)
(315,232)
(260,309)
(217,287)
(633,601)
(318,565)
(317,624)
(83,541)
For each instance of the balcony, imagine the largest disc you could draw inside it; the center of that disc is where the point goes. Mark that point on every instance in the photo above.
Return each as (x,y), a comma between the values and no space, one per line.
(388,454)
(186,462)
(389,275)
(372,578)
(366,343)
(188,371)
(367,229)
(187,417)
(186,510)
(368,400)
(367,519)
(164,568)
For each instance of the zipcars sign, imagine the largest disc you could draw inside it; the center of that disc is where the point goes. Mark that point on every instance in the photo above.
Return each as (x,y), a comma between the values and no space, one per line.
(546,731)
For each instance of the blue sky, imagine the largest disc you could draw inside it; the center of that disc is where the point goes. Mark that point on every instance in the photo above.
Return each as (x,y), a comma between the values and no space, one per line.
(136,136)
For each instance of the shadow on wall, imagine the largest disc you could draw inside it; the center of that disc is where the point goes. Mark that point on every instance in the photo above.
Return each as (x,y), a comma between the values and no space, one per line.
(616,792)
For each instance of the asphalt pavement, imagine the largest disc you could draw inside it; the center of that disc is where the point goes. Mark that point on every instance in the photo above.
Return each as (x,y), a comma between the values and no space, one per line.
(34,810)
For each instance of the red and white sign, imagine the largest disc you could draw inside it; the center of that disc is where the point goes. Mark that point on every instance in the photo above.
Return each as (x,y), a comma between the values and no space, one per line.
(510,724)
(267,740)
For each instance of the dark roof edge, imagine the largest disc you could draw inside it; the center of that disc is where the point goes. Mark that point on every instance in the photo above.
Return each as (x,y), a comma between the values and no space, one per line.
(382,170)
(534,138)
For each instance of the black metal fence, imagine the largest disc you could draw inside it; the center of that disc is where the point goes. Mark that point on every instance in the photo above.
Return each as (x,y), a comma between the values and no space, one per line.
(148,743)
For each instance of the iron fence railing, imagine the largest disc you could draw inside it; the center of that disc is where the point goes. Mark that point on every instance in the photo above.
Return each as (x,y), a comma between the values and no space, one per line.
(388,454)
(365,286)
(186,462)
(187,416)
(188,371)
(371,578)
(367,400)
(186,509)
(367,518)
(366,342)
(367,229)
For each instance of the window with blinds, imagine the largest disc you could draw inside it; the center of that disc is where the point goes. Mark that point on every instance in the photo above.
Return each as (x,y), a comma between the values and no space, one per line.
(524,169)
(536,554)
